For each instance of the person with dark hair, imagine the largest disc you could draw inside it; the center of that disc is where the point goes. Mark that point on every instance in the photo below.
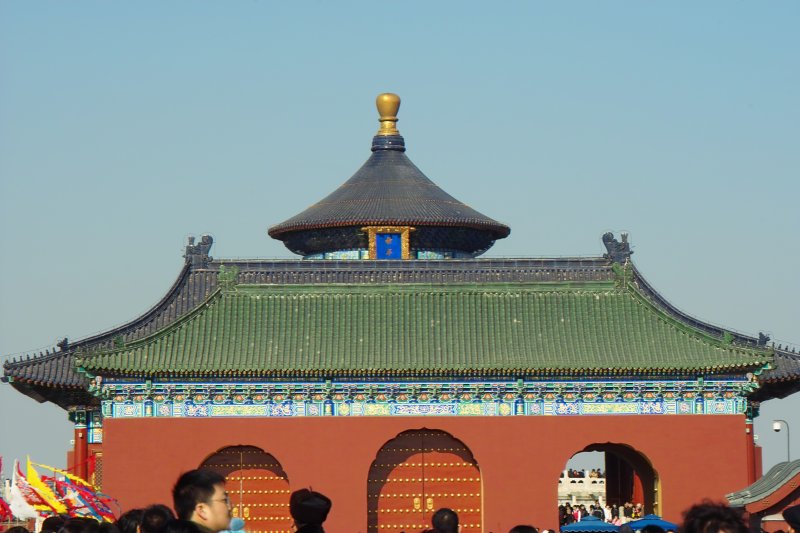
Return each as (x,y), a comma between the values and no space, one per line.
(17,529)
(181,526)
(107,527)
(565,517)
(309,510)
(628,511)
(445,521)
(709,517)
(155,517)
(792,517)
(199,496)
(129,521)
(52,524)
(523,529)
(80,525)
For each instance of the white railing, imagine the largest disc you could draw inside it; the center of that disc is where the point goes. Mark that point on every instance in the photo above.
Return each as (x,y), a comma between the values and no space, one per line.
(585,490)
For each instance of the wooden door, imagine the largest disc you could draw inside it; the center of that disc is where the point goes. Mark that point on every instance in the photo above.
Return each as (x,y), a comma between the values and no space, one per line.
(418,473)
(258,488)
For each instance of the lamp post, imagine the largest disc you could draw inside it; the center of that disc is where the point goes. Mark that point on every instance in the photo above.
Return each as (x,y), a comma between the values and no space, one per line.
(776,427)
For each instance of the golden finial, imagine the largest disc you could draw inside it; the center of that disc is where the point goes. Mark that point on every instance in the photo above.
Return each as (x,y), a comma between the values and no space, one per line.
(388,104)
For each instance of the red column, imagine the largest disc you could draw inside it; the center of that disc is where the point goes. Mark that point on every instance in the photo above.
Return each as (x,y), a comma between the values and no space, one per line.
(638,495)
(81,447)
(751,453)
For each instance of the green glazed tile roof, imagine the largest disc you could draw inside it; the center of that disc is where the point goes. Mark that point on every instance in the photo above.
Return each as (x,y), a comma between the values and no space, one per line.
(759,492)
(407,330)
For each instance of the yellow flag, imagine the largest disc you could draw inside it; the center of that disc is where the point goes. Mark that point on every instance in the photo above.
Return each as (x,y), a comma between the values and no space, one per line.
(45,492)
(67,475)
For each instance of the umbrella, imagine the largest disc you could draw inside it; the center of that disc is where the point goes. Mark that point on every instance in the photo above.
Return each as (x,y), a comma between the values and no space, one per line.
(652,520)
(590,524)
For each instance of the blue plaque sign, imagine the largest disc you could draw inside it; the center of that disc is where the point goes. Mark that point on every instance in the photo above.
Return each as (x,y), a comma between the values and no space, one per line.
(388,246)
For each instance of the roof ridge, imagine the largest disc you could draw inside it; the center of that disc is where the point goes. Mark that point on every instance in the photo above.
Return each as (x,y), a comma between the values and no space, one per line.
(652,294)
(81,356)
(485,260)
(689,328)
(767,484)
(131,324)
(441,287)
(37,359)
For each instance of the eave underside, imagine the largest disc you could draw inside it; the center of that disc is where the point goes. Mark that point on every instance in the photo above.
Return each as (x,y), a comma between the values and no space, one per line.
(64,397)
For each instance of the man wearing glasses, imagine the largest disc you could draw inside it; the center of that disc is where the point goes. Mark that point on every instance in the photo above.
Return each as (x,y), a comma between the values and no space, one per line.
(199,496)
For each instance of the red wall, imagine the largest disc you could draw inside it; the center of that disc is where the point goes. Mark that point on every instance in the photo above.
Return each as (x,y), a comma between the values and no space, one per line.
(520,458)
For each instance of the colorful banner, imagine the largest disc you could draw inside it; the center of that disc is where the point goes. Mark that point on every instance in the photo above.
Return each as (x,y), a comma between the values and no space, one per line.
(17,501)
(35,496)
(79,496)
(45,493)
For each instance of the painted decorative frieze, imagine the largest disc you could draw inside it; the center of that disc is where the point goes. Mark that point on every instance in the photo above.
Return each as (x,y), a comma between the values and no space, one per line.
(519,398)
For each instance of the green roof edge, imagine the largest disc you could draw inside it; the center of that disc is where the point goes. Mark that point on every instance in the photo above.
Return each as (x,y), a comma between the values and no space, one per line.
(623,283)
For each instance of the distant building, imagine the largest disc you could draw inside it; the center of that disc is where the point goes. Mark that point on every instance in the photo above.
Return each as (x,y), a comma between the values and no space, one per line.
(397,372)
(765,500)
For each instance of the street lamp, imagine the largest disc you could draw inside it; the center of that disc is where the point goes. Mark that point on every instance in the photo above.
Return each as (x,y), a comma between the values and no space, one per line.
(776,427)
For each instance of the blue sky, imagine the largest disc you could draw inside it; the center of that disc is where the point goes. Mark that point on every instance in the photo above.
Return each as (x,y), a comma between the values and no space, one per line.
(126,127)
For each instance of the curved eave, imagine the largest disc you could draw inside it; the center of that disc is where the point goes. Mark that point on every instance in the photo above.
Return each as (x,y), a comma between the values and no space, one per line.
(499,230)
(52,370)
(63,396)
(388,189)
(781,379)
(83,359)
(33,376)
(786,368)
(143,319)
(79,385)
(768,492)
(713,331)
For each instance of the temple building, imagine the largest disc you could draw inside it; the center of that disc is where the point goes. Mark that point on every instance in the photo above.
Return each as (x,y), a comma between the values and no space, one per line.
(392,368)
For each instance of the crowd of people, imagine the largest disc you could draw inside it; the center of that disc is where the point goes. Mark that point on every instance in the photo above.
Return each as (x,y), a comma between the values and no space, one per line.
(613,514)
(202,505)
(594,473)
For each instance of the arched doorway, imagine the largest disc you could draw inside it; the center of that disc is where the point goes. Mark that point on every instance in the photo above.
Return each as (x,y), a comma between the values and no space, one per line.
(415,474)
(257,485)
(613,474)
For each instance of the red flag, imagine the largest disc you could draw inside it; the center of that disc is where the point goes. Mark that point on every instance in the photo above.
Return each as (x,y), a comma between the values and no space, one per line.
(5,511)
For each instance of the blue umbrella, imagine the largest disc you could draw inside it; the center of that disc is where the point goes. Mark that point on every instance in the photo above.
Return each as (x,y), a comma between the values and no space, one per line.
(590,524)
(652,520)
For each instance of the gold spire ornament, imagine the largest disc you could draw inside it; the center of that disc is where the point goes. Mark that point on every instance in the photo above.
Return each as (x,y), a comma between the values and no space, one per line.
(388,104)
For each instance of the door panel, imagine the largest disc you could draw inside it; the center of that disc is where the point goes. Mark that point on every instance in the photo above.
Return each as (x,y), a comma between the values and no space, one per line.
(418,473)
(258,488)
(261,498)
